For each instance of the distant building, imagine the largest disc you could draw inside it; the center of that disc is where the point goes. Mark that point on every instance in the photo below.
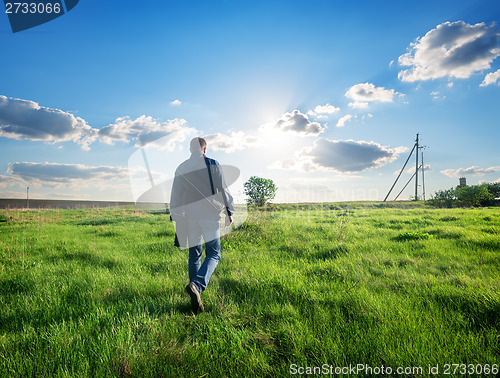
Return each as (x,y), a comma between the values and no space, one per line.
(462,182)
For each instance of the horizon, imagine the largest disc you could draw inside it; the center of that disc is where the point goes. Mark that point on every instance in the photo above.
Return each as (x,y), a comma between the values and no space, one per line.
(323,98)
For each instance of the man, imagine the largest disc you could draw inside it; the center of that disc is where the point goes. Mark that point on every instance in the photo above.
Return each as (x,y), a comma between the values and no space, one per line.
(199,196)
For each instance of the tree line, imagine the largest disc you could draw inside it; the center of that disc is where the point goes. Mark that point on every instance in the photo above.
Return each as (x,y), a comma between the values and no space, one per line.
(470,195)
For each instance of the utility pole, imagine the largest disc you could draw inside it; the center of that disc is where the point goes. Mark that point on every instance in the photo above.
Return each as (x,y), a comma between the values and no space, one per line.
(27,197)
(415,148)
(416,170)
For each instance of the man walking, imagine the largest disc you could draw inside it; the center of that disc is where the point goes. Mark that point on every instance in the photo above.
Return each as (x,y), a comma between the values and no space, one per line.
(199,197)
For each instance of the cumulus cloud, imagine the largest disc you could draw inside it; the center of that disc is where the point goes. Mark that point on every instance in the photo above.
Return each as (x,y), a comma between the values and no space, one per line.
(230,143)
(348,155)
(364,93)
(342,121)
(146,130)
(453,49)
(324,109)
(343,156)
(176,102)
(497,181)
(471,171)
(491,78)
(24,119)
(55,174)
(298,123)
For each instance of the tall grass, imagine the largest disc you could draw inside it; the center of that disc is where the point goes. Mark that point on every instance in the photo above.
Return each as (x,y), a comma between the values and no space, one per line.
(101,292)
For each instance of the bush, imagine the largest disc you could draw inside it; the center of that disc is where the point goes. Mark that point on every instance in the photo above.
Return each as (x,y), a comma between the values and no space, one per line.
(260,190)
(443,198)
(474,195)
(494,189)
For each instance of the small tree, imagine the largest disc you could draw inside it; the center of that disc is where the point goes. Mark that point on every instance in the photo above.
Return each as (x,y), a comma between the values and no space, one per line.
(476,195)
(444,198)
(473,195)
(260,190)
(494,189)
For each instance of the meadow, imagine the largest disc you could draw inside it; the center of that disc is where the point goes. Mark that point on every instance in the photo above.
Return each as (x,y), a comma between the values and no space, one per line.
(309,288)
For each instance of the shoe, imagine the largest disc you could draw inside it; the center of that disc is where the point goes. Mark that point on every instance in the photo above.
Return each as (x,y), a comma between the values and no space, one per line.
(196,304)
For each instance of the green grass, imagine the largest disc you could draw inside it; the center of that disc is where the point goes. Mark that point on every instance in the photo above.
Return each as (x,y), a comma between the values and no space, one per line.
(101,292)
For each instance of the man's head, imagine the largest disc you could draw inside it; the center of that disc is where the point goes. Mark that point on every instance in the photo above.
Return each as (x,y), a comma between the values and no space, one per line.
(198,144)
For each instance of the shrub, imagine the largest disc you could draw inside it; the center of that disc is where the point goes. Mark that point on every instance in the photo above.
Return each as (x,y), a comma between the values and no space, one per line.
(494,189)
(443,198)
(473,195)
(260,190)
(476,195)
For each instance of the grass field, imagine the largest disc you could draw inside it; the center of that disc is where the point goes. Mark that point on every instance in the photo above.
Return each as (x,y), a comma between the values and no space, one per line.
(101,293)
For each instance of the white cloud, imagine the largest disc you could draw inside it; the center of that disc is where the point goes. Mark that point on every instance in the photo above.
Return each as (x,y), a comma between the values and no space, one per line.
(491,78)
(343,156)
(146,130)
(436,95)
(364,93)
(358,105)
(24,119)
(325,109)
(59,175)
(322,111)
(298,123)
(471,171)
(497,181)
(342,121)
(453,49)
(230,143)
(176,102)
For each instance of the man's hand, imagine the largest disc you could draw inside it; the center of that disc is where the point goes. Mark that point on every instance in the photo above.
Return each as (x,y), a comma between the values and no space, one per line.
(229,220)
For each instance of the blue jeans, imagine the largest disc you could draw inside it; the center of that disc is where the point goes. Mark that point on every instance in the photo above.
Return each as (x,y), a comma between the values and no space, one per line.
(199,231)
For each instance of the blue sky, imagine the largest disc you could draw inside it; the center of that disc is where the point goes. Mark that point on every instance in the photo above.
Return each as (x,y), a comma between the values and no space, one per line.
(323,97)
